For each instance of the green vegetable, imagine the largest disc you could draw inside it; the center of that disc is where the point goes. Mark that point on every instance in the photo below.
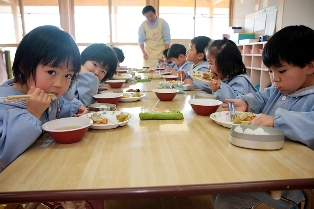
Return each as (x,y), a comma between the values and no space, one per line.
(173,115)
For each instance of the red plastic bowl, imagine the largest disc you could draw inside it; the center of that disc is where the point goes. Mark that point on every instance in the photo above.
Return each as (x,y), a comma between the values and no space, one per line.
(111,98)
(115,83)
(204,106)
(122,71)
(170,77)
(165,94)
(67,130)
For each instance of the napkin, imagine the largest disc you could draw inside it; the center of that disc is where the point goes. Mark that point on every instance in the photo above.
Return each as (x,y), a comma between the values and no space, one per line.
(142,80)
(173,115)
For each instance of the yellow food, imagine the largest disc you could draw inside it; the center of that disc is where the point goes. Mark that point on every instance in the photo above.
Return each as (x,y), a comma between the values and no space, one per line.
(243,118)
(208,75)
(98,118)
(122,117)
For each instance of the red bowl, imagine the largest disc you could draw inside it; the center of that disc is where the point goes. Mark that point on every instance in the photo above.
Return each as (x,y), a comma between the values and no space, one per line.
(204,106)
(111,98)
(67,130)
(122,71)
(165,73)
(115,83)
(165,94)
(170,77)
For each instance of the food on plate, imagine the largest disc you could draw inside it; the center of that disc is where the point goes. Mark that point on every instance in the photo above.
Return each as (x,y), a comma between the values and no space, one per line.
(243,117)
(209,75)
(133,90)
(117,74)
(122,117)
(98,118)
(128,95)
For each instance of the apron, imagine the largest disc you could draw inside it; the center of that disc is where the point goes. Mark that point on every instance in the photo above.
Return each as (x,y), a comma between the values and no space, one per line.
(154,44)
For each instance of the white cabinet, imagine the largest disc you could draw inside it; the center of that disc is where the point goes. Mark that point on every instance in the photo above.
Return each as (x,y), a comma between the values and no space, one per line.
(252,59)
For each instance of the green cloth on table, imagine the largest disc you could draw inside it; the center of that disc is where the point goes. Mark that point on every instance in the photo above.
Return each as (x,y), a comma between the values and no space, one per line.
(143,80)
(173,115)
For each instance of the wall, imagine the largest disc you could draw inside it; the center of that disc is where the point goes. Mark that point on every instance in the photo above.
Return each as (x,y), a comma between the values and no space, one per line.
(290,12)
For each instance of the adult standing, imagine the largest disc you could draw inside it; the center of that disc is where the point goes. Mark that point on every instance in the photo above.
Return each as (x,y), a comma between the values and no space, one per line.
(153,37)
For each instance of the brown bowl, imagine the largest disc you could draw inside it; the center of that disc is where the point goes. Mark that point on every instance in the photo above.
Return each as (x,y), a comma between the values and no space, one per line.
(165,94)
(204,106)
(170,77)
(115,83)
(67,130)
(122,71)
(111,98)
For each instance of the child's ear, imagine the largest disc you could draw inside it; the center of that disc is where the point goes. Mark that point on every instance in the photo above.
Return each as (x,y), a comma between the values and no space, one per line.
(201,56)
(310,67)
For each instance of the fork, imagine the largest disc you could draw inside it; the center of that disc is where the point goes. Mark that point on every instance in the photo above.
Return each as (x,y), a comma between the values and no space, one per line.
(231,110)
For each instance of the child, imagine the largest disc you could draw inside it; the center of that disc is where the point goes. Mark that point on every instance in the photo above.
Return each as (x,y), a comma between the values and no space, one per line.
(196,55)
(166,63)
(225,61)
(176,54)
(120,55)
(46,61)
(99,63)
(286,105)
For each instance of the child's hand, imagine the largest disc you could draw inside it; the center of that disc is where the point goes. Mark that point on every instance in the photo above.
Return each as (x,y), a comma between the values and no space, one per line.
(181,73)
(169,69)
(38,102)
(81,111)
(214,84)
(263,120)
(188,81)
(239,105)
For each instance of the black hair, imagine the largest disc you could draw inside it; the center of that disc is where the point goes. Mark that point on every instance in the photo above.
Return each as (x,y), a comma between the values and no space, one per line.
(165,52)
(47,45)
(201,42)
(292,44)
(175,50)
(228,58)
(148,8)
(119,53)
(103,54)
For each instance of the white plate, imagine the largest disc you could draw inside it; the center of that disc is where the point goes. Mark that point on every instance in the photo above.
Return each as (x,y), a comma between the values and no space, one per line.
(112,121)
(131,99)
(197,75)
(123,76)
(222,118)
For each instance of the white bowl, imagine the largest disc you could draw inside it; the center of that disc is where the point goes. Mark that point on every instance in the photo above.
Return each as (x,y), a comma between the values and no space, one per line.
(67,130)
(165,94)
(204,106)
(111,98)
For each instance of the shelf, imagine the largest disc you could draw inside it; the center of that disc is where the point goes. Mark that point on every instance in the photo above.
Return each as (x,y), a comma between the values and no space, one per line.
(252,59)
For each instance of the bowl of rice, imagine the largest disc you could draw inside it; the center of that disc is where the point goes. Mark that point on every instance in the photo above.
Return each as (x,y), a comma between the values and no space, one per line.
(256,137)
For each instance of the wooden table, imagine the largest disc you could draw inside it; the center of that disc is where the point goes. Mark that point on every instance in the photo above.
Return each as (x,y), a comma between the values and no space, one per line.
(153,158)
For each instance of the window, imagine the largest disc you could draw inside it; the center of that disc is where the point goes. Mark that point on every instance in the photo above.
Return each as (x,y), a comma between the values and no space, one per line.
(91,21)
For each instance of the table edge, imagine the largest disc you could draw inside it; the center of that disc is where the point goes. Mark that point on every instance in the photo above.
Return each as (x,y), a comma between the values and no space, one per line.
(150,192)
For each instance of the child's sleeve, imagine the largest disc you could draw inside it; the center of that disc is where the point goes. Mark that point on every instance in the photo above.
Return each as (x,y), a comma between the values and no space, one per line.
(87,87)
(237,87)
(298,126)
(69,108)
(18,131)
